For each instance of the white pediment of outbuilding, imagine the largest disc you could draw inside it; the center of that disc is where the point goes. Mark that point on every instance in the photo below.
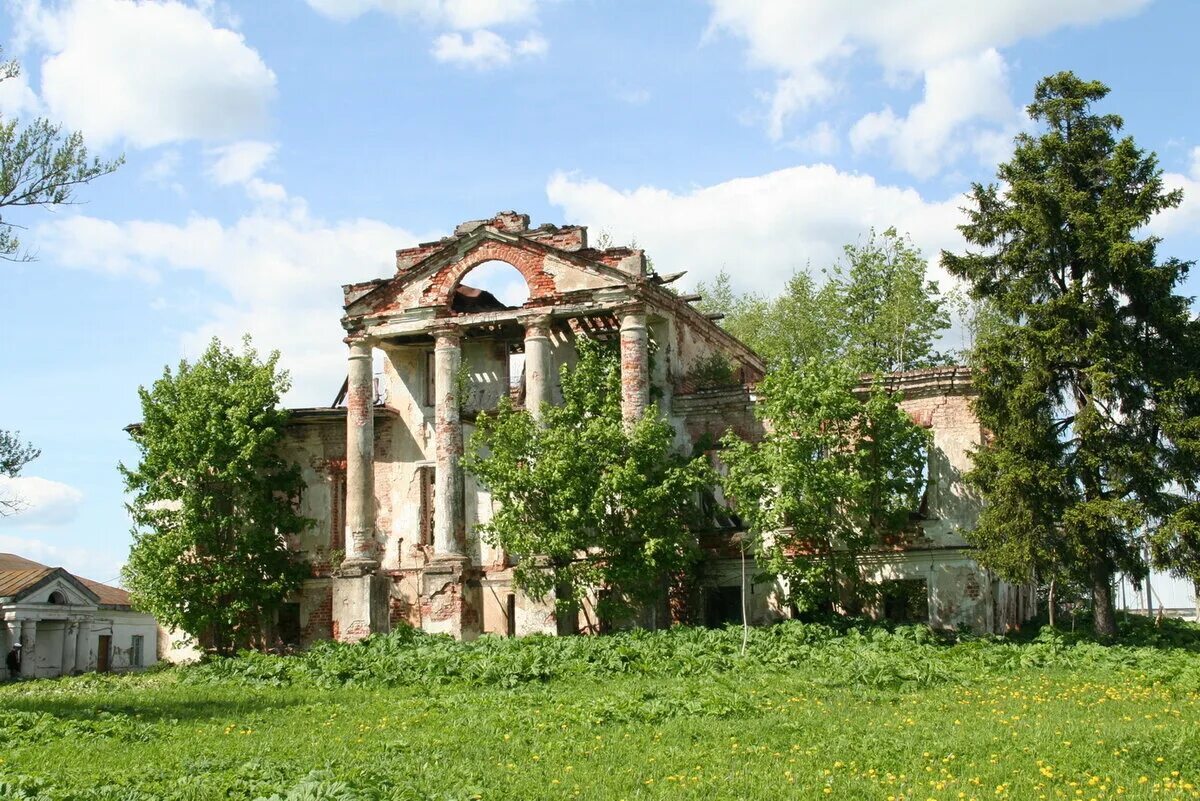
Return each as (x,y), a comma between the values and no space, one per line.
(59,588)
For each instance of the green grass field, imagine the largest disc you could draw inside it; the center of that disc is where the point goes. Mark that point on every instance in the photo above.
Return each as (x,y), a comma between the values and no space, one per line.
(807,713)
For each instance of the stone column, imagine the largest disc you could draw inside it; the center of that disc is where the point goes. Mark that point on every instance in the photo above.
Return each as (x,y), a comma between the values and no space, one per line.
(635,364)
(537,363)
(448,515)
(83,645)
(360,462)
(28,647)
(70,636)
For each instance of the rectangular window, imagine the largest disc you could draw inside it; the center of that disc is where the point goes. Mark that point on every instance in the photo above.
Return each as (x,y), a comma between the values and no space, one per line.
(289,624)
(135,650)
(337,510)
(426,508)
(430,387)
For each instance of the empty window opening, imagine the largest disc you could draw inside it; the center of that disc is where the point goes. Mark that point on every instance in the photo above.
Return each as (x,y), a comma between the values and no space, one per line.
(58,598)
(906,601)
(289,624)
(490,286)
(510,614)
(516,374)
(430,373)
(425,511)
(722,606)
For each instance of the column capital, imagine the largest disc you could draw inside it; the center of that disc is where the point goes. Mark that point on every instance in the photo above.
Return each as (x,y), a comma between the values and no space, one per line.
(446,334)
(632,315)
(360,346)
(536,325)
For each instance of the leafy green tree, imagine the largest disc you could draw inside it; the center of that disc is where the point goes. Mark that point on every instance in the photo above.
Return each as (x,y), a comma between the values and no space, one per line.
(14,455)
(213,501)
(835,475)
(39,166)
(1093,357)
(876,309)
(587,502)
(891,315)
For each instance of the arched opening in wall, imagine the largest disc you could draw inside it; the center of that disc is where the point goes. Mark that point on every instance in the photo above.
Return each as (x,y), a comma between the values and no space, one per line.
(57,598)
(489,286)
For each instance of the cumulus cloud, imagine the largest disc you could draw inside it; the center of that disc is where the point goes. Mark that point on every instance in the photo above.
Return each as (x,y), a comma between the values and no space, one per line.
(147,73)
(485,50)
(458,14)
(239,162)
(481,49)
(43,503)
(1183,220)
(276,272)
(79,561)
(761,228)
(806,44)
(963,97)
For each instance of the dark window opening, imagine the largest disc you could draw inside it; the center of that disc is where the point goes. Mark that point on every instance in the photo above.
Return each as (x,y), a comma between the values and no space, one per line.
(57,598)
(430,371)
(426,476)
(510,613)
(136,645)
(722,606)
(906,601)
(289,623)
(337,511)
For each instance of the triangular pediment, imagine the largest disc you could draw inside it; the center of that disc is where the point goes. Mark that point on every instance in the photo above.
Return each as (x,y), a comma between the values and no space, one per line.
(58,587)
(430,273)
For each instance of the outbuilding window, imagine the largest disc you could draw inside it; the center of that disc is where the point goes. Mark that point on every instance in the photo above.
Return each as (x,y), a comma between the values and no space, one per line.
(135,650)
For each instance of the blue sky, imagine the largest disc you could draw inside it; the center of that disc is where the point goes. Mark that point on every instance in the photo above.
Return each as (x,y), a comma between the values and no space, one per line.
(276,150)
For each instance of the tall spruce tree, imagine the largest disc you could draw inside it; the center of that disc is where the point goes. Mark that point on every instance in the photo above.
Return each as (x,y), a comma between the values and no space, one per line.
(1090,365)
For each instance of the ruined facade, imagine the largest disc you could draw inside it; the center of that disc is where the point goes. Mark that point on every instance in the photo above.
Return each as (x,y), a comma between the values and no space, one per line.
(396,538)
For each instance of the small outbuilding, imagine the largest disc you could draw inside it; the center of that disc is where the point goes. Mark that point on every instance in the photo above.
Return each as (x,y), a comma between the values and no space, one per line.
(66,624)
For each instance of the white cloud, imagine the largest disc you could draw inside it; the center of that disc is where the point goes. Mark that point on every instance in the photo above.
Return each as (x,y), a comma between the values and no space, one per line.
(79,561)
(961,96)
(485,50)
(277,274)
(148,73)
(239,162)
(43,503)
(482,49)
(762,228)
(821,140)
(633,97)
(805,43)
(1184,219)
(17,97)
(457,14)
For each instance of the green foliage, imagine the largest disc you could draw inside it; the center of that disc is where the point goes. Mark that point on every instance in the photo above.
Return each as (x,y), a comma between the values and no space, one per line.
(213,502)
(713,372)
(39,166)
(876,310)
(674,714)
(14,455)
(586,501)
(1087,372)
(834,475)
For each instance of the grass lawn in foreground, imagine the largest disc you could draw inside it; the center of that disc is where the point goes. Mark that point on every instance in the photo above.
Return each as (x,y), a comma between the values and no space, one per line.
(1089,723)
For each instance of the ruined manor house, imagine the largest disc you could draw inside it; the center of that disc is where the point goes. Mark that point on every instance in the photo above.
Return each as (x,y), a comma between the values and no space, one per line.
(395,539)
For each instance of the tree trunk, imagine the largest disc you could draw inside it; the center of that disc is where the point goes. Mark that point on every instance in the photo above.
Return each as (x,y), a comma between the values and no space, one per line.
(1050,603)
(1104,616)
